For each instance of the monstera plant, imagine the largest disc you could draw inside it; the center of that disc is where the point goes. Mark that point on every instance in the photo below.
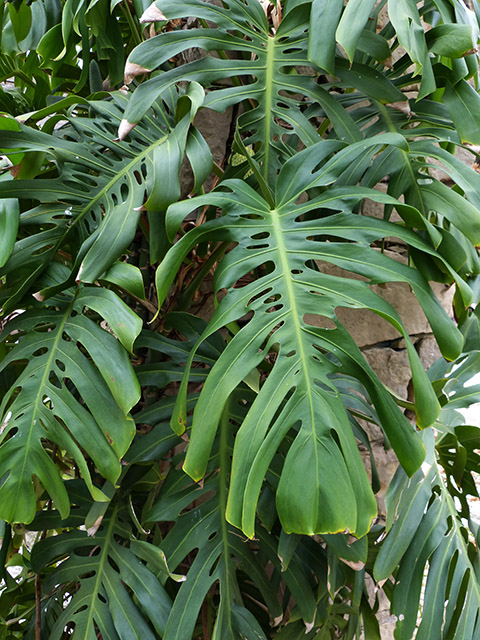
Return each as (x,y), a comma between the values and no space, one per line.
(179,470)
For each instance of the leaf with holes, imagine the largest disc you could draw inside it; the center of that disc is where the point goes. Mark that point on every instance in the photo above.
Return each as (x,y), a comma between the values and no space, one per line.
(223,556)
(91,209)
(263,64)
(284,243)
(74,387)
(117,595)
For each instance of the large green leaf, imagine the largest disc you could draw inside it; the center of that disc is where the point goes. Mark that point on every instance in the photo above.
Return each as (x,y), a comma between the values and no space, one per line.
(92,208)
(298,394)
(9,215)
(75,389)
(270,58)
(223,558)
(452,40)
(460,388)
(324,19)
(222,554)
(463,102)
(454,34)
(405,18)
(450,216)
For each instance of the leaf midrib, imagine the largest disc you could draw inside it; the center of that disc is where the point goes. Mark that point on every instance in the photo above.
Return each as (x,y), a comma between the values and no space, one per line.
(269,82)
(294,313)
(116,178)
(222,500)
(98,575)
(46,373)
(106,188)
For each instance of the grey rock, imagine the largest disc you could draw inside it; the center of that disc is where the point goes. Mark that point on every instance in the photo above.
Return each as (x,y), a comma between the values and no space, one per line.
(428,350)
(215,128)
(392,367)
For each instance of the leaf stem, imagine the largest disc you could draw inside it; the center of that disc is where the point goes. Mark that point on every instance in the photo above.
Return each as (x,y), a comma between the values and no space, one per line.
(223,459)
(131,23)
(227,593)
(7,536)
(2,13)
(186,298)
(38,608)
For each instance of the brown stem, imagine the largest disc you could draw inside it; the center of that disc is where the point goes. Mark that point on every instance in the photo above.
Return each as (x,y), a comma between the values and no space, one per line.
(38,608)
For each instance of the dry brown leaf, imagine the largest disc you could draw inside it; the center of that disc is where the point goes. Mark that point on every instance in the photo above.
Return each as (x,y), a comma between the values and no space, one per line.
(152,14)
(133,70)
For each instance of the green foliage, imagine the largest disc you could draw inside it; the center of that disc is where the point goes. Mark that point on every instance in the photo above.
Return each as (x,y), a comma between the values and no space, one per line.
(68,357)
(109,572)
(428,528)
(180,405)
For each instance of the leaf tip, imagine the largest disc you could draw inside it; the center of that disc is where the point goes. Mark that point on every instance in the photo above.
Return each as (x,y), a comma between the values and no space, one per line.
(133,70)
(91,531)
(124,129)
(277,621)
(309,626)
(195,474)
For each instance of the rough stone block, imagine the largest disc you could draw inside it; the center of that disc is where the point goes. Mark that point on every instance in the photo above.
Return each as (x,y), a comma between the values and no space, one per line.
(428,350)
(215,128)
(392,367)
(368,329)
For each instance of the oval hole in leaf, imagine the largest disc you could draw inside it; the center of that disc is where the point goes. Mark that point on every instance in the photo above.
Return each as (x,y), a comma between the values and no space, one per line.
(276,307)
(54,380)
(40,352)
(259,295)
(257,246)
(124,191)
(213,567)
(85,576)
(324,388)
